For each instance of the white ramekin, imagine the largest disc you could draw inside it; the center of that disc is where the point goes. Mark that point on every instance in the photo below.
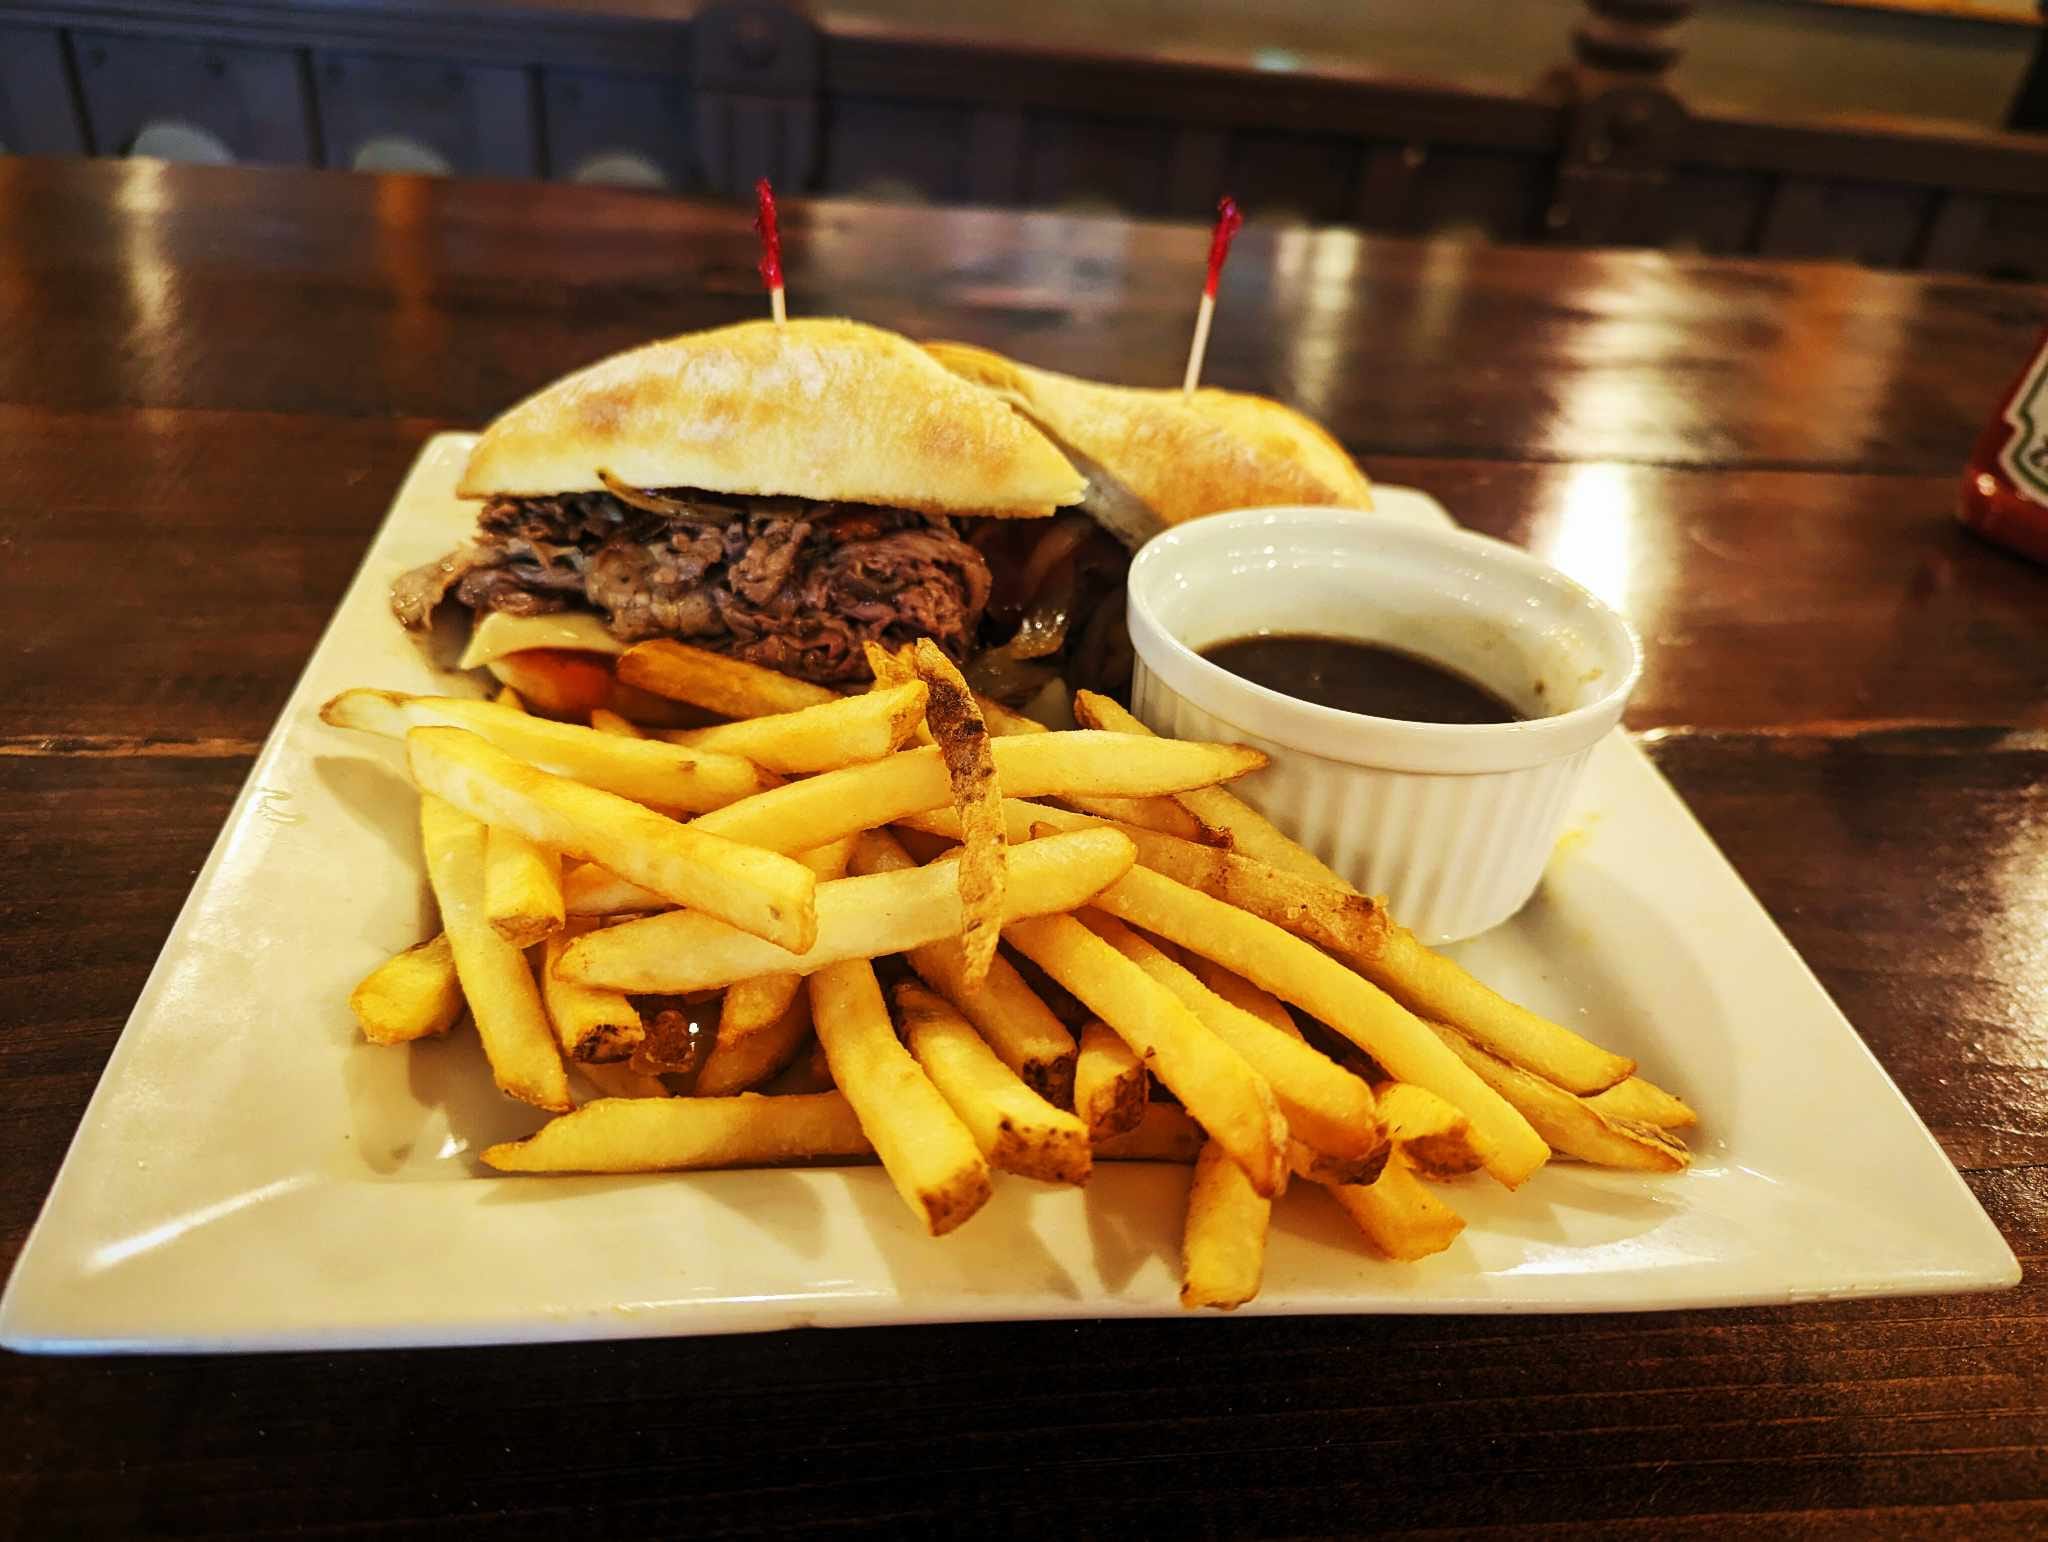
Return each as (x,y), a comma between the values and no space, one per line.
(1453,823)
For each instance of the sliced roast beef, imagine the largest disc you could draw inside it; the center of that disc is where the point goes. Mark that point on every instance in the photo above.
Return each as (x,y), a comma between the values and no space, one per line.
(791,584)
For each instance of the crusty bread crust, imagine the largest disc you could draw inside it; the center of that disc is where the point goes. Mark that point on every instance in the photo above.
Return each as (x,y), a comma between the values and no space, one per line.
(1154,458)
(811,409)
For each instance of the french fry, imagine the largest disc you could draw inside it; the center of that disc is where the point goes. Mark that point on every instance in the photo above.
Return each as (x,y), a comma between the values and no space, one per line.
(1216,1084)
(508,697)
(1432,986)
(1110,1084)
(1161,815)
(757,1005)
(522,887)
(1166,1133)
(588,890)
(752,1060)
(1251,833)
(1223,1247)
(558,681)
(1019,1027)
(1004,723)
(1332,916)
(759,892)
(1326,1107)
(1016,1129)
(1304,976)
(1435,1137)
(606,721)
(411,995)
(857,918)
(845,731)
(1645,1103)
(1242,994)
(930,1156)
(714,682)
(664,1135)
(616,1079)
(1304,1161)
(496,981)
(665,776)
(1398,1214)
(1571,1124)
(590,1023)
(834,803)
(963,743)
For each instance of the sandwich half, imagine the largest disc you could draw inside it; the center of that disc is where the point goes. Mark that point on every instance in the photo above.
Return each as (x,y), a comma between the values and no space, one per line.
(780,493)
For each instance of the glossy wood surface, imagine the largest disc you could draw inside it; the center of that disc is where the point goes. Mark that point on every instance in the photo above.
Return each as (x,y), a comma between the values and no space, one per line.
(210,384)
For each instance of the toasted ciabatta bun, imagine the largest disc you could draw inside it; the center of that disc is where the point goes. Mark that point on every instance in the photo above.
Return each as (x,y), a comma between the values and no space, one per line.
(1155,458)
(830,410)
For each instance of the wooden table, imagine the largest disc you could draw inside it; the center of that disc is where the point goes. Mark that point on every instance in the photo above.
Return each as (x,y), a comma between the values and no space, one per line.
(210,384)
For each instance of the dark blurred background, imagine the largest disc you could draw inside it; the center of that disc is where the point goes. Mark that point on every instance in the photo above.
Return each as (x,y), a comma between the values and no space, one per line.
(1896,133)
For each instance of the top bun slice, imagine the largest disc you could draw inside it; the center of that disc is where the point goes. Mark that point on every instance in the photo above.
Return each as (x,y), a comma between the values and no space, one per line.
(1155,459)
(826,410)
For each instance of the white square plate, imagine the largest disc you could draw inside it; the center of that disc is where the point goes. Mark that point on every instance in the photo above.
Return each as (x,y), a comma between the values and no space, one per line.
(250,1175)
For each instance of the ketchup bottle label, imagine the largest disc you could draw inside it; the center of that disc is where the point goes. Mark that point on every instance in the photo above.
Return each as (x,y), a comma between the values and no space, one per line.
(2025,456)
(2005,489)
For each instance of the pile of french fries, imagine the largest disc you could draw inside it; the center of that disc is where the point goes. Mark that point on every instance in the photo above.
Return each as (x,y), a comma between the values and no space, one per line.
(913,927)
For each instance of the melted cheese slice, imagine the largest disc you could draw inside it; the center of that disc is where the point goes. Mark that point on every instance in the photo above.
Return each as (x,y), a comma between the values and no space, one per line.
(498,634)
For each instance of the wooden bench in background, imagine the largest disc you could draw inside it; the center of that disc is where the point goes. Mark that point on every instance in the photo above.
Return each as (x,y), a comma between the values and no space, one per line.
(705,100)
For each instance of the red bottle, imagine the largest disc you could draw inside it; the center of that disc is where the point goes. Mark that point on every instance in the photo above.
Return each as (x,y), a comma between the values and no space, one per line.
(2005,489)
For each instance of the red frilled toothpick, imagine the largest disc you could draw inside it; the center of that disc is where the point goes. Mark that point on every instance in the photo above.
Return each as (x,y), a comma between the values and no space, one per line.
(1227,221)
(771,247)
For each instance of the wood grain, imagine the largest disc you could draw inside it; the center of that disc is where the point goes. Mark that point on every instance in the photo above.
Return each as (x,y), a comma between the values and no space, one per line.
(210,385)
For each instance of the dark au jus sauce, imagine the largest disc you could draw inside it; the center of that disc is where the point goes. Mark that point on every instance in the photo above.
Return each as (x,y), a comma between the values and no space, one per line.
(1360,677)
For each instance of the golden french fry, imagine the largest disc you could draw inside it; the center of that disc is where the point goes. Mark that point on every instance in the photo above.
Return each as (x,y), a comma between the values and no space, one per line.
(1161,815)
(1435,1137)
(1166,1133)
(1016,1129)
(1223,1248)
(665,776)
(522,887)
(1110,1084)
(1398,1214)
(588,890)
(616,1079)
(1571,1124)
(1250,833)
(496,981)
(757,1005)
(845,731)
(716,683)
(411,995)
(606,721)
(1004,723)
(1019,1027)
(857,918)
(1304,1161)
(834,803)
(1645,1103)
(656,1135)
(1306,977)
(1432,986)
(752,1060)
(1215,1083)
(590,1023)
(1326,1107)
(1242,994)
(759,892)
(928,1153)
(508,697)
(963,743)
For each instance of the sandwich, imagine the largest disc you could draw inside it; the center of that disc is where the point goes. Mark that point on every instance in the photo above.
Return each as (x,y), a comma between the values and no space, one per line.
(786,494)
(783,494)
